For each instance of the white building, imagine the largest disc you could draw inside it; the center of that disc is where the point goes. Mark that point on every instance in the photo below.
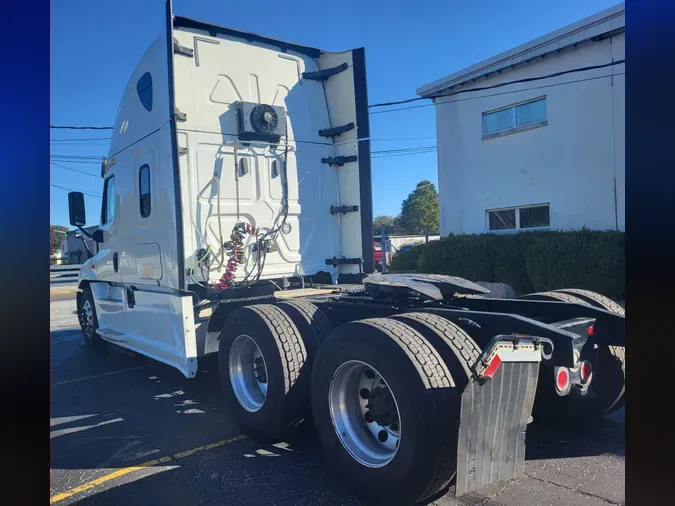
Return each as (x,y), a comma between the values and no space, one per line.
(547,152)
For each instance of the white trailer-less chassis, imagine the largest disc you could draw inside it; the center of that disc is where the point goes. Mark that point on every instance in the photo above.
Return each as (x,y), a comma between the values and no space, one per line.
(236,210)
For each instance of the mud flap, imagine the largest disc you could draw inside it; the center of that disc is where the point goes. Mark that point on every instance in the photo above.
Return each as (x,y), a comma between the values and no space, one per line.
(496,409)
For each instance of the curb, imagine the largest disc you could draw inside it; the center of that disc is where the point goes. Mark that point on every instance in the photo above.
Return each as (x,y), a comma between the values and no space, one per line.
(62,290)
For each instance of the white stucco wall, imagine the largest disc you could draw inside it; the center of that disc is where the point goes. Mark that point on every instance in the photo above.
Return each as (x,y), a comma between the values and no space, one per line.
(571,163)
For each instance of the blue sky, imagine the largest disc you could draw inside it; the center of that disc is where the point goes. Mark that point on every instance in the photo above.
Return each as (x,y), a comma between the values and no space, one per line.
(96,45)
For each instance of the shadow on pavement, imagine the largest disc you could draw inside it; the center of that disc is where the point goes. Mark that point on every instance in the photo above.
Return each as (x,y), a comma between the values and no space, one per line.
(551,441)
(123,420)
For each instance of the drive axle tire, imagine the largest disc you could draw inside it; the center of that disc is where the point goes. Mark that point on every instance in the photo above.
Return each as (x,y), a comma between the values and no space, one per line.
(595,299)
(456,347)
(386,411)
(613,353)
(86,314)
(263,362)
(609,365)
(310,320)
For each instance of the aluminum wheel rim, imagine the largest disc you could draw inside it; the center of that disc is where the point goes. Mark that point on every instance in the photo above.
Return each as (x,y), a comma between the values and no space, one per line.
(87,317)
(367,441)
(248,373)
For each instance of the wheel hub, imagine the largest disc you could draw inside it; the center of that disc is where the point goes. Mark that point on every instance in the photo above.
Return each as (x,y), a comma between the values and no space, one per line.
(248,373)
(87,318)
(382,406)
(365,414)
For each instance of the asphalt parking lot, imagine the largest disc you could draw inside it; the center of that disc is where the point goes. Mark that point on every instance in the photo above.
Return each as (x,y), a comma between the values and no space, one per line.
(128,430)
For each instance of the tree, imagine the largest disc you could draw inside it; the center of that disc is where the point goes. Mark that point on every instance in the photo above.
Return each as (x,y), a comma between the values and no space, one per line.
(390,224)
(419,212)
(57,234)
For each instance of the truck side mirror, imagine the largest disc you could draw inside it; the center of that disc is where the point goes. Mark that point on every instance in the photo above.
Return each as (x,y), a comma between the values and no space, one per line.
(78,216)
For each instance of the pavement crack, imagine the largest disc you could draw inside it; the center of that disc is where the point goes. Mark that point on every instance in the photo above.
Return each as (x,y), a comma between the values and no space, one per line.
(595,496)
(497,494)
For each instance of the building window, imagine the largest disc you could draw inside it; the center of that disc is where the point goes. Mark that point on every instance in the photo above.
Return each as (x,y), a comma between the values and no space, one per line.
(144,190)
(534,217)
(515,118)
(108,212)
(519,218)
(144,89)
(502,220)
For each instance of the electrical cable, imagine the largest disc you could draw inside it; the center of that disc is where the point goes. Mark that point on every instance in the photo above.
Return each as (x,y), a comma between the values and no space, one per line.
(415,99)
(60,127)
(199,261)
(402,150)
(77,157)
(517,81)
(71,190)
(82,139)
(221,246)
(75,170)
(497,94)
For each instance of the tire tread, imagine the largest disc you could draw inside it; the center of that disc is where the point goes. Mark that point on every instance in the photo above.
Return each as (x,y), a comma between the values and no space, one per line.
(437,378)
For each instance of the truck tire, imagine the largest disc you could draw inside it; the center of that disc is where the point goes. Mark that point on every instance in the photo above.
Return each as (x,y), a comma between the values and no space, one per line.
(610,360)
(614,353)
(311,321)
(595,299)
(377,383)
(454,345)
(86,314)
(263,362)
(553,295)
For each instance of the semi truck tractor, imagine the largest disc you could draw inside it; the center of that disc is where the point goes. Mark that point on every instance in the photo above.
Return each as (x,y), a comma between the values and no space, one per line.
(237,222)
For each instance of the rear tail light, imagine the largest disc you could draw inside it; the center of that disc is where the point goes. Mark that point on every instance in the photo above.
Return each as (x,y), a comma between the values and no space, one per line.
(590,331)
(585,371)
(562,379)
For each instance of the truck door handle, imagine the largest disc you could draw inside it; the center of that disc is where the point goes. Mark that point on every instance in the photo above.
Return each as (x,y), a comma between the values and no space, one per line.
(115,262)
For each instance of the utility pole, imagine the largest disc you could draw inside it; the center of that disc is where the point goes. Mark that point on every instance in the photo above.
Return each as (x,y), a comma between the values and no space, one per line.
(383,242)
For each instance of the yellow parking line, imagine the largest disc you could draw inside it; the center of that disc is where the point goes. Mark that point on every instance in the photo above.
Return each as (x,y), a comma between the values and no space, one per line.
(98,481)
(98,376)
(139,467)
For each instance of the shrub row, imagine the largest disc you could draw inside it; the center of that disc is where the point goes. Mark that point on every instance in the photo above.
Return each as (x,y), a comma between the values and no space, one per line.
(528,261)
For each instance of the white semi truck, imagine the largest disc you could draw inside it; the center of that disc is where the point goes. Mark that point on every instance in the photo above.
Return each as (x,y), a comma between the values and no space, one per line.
(237,220)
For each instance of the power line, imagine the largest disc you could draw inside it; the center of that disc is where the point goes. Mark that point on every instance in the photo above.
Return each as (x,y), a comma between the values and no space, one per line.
(69,127)
(77,161)
(75,170)
(81,139)
(497,94)
(78,157)
(398,102)
(71,190)
(406,108)
(409,100)
(517,81)
(403,149)
(75,143)
(376,139)
(405,154)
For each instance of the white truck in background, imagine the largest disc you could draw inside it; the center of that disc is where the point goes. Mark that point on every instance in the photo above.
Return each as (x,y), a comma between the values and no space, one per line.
(237,220)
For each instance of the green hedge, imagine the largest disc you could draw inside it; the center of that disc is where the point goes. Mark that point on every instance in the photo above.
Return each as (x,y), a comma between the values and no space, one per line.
(528,261)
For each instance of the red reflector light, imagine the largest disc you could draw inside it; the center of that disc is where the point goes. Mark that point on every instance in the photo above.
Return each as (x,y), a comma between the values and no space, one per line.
(492,367)
(590,331)
(562,379)
(585,371)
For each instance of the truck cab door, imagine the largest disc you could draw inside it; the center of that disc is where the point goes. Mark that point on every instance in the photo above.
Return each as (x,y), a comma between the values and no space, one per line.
(106,261)
(108,291)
